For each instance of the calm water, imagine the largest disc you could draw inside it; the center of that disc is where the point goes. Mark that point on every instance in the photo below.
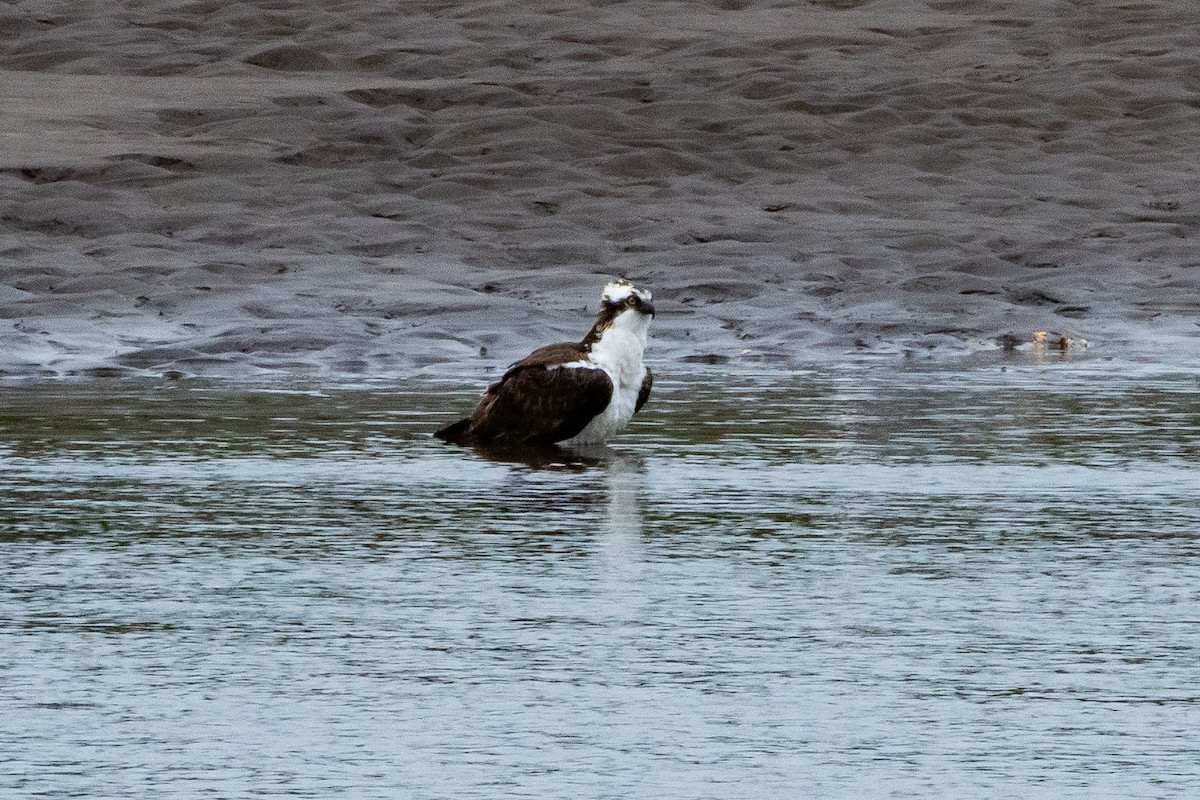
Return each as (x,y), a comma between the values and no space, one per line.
(870,581)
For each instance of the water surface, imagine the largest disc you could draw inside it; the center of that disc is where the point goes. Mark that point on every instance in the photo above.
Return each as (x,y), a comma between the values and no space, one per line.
(862,581)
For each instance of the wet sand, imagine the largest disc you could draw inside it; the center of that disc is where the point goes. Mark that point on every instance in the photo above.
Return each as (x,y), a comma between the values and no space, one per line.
(201,188)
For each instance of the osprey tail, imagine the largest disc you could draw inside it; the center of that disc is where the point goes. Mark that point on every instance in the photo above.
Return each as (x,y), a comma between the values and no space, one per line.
(457,433)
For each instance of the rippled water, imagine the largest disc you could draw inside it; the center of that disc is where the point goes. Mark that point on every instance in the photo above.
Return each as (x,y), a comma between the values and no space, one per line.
(864,581)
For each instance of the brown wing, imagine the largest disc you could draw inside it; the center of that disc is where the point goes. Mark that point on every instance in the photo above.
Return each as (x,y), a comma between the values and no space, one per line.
(644,392)
(534,404)
(563,353)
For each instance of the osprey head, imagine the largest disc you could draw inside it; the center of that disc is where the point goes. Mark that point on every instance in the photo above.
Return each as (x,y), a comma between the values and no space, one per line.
(625,310)
(621,296)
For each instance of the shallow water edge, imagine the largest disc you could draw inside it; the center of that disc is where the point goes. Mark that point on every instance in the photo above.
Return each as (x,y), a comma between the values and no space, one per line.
(914,582)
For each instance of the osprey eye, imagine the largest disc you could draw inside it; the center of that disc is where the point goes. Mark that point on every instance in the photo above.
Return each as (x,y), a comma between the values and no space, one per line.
(631,301)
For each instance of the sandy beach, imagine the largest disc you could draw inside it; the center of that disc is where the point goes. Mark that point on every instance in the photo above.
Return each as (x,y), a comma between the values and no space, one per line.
(357,188)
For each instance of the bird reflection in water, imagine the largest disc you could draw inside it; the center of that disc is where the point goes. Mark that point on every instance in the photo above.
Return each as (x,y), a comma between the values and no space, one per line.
(577,487)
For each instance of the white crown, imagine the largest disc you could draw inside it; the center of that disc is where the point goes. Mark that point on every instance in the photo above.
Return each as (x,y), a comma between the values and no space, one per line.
(618,291)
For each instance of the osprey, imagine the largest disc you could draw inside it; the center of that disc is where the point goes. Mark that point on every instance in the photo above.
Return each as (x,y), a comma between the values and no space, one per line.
(571,392)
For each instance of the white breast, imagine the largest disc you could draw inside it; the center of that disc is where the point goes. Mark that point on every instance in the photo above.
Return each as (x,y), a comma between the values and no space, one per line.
(618,353)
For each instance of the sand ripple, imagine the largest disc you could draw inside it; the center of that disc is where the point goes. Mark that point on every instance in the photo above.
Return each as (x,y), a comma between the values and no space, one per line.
(207,187)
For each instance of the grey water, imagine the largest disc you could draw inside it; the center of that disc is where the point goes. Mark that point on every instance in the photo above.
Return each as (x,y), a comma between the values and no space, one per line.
(870,580)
